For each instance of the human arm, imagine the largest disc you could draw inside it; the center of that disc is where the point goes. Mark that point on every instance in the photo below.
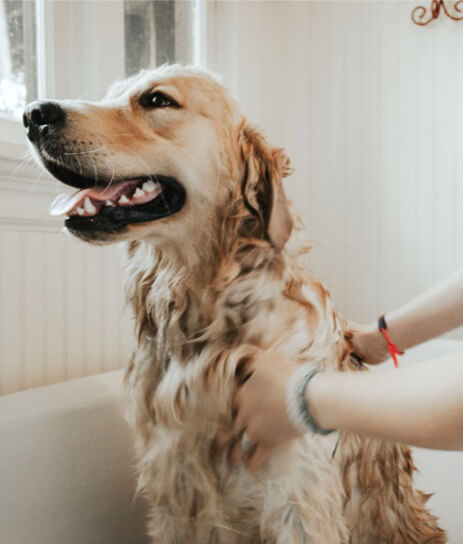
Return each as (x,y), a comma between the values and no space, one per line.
(420,405)
(438,310)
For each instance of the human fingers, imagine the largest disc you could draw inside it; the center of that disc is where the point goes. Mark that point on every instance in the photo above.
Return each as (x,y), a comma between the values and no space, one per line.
(222,439)
(259,458)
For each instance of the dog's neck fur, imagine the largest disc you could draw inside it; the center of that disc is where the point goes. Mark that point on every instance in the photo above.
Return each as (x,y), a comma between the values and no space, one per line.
(161,290)
(173,296)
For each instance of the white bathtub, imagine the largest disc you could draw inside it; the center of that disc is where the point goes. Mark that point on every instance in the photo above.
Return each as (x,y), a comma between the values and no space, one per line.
(66,465)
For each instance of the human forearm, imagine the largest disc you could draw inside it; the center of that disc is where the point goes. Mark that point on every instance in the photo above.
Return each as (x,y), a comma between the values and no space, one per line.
(433,313)
(421,405)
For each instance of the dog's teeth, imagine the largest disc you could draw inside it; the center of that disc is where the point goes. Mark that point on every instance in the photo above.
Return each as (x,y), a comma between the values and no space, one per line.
(89,207)
(149,186)
(80,211)
(124,200)
(109,203)
(138,192)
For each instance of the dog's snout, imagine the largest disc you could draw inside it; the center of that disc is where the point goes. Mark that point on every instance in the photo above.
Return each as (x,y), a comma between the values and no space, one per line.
(38,117)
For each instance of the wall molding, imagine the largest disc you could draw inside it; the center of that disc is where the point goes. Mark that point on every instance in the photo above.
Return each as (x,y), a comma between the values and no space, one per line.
(31,224)
(28,185)
(18,175)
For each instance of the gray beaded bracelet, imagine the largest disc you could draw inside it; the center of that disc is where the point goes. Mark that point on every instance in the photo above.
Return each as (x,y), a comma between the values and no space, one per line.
(298,410)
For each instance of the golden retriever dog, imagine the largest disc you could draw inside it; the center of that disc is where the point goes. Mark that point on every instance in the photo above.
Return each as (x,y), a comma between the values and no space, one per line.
(168,163)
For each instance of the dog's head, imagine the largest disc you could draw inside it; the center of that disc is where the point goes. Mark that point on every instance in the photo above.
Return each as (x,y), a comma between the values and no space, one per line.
(161,157)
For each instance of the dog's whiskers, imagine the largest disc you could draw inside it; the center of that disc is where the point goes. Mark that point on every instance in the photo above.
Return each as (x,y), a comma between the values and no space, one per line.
(85,152)
(28,159)
(113,174)
(36,181)
(95,170)
(80,166)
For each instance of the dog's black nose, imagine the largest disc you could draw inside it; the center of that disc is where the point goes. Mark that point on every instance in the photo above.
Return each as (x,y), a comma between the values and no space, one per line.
(40,116)
(46,113)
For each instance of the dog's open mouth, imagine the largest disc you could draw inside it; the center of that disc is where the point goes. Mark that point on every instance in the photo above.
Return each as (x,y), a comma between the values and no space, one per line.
(112,207)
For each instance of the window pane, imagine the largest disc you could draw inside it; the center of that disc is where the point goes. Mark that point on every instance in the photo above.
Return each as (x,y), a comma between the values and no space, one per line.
(18,71)
(157,31)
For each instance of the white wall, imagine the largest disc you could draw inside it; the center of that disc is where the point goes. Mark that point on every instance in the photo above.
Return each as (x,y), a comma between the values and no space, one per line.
(369,106)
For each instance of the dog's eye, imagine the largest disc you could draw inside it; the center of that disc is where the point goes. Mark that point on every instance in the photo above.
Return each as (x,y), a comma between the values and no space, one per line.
(157,100)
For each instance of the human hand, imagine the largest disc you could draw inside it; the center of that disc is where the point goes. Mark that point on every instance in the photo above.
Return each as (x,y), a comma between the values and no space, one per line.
(261,412)
(369,343)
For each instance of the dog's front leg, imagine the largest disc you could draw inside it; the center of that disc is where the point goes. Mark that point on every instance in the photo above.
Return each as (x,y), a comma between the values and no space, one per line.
(303,495)
(192,499)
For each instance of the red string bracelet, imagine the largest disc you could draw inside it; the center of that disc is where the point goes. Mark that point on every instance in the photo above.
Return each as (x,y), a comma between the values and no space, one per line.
(393,349)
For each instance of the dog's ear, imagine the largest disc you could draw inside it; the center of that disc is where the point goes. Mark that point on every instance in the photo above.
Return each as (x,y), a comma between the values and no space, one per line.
(262,188)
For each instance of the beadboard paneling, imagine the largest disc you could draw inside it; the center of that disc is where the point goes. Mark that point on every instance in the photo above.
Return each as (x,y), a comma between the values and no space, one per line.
(62,310)
(385,143)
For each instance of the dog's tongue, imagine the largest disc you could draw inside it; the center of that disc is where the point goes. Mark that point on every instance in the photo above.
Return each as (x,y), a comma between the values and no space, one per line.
(64,203)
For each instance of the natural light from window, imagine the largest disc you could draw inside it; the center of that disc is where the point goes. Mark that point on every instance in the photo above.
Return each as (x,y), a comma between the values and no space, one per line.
(18,72)
(156,33)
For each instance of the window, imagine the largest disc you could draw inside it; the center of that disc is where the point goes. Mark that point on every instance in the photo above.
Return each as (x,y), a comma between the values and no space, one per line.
(156,33)
(18,73)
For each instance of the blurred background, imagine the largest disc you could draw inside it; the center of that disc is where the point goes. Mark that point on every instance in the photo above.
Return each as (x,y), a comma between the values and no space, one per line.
(367,103)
